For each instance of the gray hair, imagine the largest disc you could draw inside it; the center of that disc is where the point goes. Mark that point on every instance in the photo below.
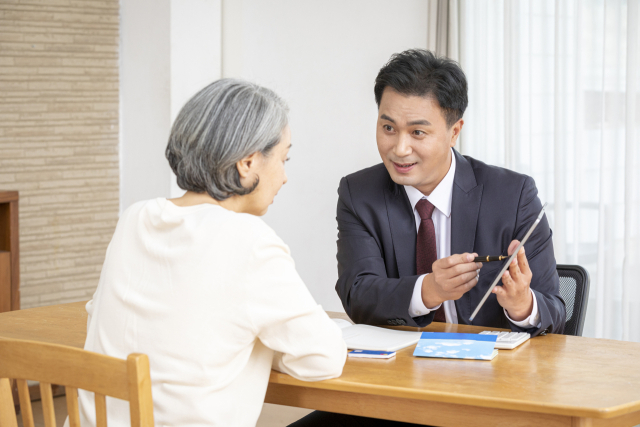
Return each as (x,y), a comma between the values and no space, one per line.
(222,124)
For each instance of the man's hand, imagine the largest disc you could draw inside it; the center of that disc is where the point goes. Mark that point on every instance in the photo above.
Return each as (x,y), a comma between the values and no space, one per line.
(514,294)
(450,279)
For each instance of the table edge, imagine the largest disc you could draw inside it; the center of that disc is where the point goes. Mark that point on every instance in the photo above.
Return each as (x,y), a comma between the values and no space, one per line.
(339,385)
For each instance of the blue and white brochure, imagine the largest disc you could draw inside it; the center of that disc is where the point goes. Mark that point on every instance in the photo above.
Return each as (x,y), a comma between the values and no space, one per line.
(456,346)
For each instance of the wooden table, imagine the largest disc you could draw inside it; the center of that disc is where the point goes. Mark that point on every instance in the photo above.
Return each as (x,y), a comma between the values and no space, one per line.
(549,381)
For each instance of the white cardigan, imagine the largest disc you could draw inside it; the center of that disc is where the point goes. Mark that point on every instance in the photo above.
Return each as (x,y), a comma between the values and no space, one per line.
(209,295)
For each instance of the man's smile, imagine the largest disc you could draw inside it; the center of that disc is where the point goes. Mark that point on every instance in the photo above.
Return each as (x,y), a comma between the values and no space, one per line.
(403,167)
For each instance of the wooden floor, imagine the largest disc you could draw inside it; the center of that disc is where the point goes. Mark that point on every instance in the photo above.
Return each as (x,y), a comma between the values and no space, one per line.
(271,416)
(277,415)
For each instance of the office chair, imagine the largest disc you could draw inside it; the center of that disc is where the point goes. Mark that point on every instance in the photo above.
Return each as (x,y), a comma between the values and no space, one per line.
(574,288)
(74,368)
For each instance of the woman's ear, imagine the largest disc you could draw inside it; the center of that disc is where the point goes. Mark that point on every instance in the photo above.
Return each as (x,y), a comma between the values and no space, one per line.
(247,166)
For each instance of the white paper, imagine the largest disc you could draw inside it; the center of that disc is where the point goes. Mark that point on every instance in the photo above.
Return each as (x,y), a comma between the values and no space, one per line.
(366,337)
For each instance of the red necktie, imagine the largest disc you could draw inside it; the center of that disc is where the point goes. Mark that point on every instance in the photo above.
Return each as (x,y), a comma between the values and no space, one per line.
(426,253)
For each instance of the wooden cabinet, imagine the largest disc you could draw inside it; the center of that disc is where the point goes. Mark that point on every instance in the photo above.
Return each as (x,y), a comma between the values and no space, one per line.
(9,252)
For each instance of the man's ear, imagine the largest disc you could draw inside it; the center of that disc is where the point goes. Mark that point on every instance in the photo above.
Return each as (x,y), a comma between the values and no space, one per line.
(456,128)
(246,166)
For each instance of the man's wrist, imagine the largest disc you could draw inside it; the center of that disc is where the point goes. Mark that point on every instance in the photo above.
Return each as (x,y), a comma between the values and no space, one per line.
(534,318)
(429,297)
(431,304)
(523,313)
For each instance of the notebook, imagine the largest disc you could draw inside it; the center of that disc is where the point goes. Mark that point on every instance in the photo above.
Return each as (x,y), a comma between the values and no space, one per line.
(365,337)
(456,346)
(370,354)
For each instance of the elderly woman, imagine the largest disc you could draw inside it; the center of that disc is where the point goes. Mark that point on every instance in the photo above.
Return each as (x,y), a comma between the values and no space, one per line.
(201,284)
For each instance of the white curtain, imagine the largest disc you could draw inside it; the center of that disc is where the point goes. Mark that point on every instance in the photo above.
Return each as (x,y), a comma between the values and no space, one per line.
(554,92)
(444,35)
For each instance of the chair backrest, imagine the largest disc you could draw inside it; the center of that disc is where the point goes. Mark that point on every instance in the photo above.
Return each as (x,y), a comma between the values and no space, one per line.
(75,369)
(574,288)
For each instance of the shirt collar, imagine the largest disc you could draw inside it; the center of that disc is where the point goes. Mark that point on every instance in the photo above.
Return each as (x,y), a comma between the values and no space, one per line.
(441,196)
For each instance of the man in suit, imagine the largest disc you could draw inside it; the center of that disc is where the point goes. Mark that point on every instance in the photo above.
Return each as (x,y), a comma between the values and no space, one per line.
(410,227)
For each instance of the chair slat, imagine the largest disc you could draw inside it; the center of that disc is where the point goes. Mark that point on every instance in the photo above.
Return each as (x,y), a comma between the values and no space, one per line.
(25,403)
(7,408)
(101,410)
(72,406)
(141,403)
(47,405)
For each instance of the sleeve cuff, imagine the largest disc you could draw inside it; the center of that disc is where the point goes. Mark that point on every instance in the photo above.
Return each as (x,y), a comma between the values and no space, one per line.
(534,318)
(417,307)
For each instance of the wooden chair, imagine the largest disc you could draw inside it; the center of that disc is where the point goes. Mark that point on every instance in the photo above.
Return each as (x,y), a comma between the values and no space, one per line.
(74,368)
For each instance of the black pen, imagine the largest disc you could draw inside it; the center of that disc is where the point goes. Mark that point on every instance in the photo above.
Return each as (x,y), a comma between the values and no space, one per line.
(490,258)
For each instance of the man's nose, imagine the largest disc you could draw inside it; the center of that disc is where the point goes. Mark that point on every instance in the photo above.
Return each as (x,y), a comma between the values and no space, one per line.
(402,147)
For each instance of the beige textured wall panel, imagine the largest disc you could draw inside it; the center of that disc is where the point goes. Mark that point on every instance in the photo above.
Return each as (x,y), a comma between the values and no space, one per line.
(59,140)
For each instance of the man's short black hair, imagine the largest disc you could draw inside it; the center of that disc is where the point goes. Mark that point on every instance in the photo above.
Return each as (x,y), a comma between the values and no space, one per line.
(419,72)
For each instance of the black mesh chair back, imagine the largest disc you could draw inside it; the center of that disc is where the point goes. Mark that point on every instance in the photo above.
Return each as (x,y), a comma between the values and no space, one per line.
(574,288)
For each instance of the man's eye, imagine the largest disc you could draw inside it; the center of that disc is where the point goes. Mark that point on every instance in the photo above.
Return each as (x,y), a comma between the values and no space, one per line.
(387,128)
(418,132)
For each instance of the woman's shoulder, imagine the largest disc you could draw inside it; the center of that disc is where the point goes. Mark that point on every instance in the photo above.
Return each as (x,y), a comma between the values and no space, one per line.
(253,234)
(254,228)
(245,230)
(243,227)
(137,207)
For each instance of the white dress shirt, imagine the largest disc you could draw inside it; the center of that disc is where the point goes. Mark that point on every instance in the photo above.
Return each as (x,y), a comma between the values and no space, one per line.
(441,197)
(214,299)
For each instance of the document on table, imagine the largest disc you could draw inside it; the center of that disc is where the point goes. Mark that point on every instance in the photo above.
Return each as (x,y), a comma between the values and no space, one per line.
(366,337)
(456,346)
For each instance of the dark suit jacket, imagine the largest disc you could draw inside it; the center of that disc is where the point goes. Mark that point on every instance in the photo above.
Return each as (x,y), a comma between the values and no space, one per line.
(491,206)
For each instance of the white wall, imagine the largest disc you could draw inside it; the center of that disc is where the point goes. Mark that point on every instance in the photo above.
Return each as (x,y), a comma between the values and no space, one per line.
(322,57)
(144,99)
(170,49)
(196,54)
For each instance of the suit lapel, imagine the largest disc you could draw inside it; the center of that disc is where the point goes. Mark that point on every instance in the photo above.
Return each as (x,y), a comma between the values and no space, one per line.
(403,228)
(465,208)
